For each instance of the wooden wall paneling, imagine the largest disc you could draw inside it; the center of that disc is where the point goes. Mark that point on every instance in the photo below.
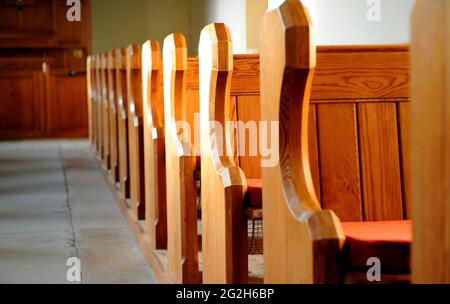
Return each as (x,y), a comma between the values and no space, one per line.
(93,72)
(182,243)
(113,111)
(339,71)
(90,94)
(69,113)
(105,109)
(380,162)
(430,142)
(248,114)
(224,238)
(154,145)
(403,110)
(19,102)
(73,34)
(122,124)
(290,205)
(135,131)
(339,160)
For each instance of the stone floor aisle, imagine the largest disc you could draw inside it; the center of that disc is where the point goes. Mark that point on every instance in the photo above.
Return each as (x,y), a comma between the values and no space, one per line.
(55,204)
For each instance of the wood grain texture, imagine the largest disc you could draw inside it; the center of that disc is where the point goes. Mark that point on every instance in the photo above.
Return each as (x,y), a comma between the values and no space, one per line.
(122,123)
(380,162)
(113,131)
(357,73)
(99,110)
(38,31)
(310,238)
(105,109)
(135,131)
(430,141)
(404,123)
(248,117)
(182,242)
(339,161)
(154,145)
(314,150)
(224,240)
(90,94)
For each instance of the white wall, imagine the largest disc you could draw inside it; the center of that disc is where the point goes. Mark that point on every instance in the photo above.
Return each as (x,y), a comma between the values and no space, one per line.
(243,17)
(345,21)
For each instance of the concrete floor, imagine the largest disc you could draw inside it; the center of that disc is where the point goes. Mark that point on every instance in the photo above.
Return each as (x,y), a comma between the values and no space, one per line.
(55,204)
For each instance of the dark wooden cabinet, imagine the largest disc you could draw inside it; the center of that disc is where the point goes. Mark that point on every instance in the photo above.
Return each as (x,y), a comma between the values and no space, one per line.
(43,69)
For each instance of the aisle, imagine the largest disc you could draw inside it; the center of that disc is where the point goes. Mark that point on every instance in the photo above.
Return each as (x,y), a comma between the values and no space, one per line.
(54,205)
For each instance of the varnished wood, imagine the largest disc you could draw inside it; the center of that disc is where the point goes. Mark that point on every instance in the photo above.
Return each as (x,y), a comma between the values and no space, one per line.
(122,123)
(135,131)
(182,244)
(99,106)
(154,145)
(339,160)
(40,33)
(105,109)
(380,161)
(113,132)
(223,183)
(430,141)
(313,237)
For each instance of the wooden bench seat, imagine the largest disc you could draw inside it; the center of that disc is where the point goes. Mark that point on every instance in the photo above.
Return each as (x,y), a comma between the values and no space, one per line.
(390,241)
(135,131)
(343,154)
(122,123)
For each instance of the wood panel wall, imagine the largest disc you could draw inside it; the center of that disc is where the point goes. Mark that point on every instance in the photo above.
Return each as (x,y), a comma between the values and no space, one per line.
(43,68)
(359,107)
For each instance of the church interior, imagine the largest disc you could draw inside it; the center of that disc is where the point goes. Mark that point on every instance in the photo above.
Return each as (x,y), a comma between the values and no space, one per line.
(224,142)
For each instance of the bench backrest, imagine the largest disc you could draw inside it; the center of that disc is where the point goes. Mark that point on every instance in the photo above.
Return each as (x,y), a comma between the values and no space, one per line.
(122,123)
(154,145)
(105,109)
(135,130)
(113,134)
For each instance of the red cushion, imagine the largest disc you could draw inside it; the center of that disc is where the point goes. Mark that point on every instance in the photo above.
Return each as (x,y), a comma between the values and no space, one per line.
(198,162)
(253,197)
(390,241)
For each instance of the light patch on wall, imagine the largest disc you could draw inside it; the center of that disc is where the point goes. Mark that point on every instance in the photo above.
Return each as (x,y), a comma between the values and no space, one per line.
(345,22)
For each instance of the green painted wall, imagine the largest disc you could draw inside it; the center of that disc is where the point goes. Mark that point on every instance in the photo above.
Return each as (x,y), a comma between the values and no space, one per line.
(118,23)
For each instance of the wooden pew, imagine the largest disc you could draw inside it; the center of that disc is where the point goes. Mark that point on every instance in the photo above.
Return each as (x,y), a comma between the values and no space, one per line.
(99,103)
(154,145)
(343,176)
(182,240)
(105,110)
(122,124)
(430,143)
(135,131)
(90,97)
(181,99)
(113,131)
(223,179)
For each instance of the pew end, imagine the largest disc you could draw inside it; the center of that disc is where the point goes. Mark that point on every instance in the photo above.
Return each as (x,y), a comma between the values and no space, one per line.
(223,183)
(154,145)
(135,132)
(288,63)
(182,242)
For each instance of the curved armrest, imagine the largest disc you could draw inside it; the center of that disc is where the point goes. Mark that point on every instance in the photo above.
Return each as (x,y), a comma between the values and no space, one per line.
(225,257)
(292,212)
(182,243)
(154,145)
